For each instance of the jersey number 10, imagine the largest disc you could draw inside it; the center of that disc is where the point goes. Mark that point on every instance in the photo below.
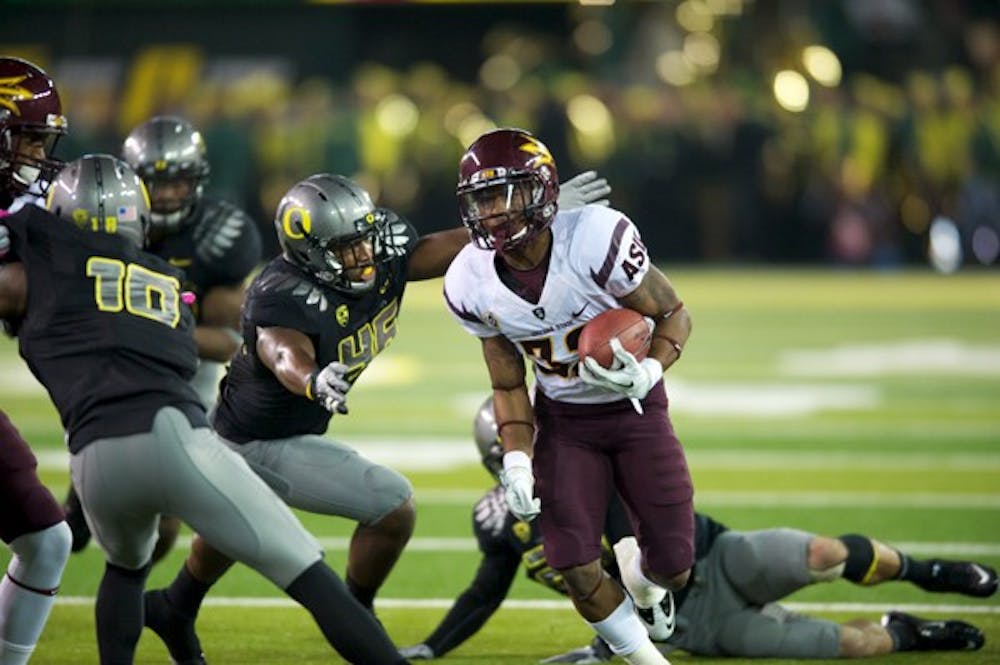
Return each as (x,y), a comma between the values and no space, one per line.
(139,291)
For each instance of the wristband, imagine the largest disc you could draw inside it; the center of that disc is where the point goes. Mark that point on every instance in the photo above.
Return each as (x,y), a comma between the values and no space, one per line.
(674,343)
(311,385)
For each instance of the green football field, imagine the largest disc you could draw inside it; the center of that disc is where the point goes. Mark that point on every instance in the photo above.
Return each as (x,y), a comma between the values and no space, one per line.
(831,401)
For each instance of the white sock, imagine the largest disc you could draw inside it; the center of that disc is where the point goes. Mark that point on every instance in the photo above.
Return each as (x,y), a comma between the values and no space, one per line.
(622,629)
(644,591)
(647,654)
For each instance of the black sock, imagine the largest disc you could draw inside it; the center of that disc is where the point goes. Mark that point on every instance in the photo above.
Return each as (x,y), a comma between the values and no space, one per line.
(186,593)
(904,638)
(914,570)
(363,595)
(348,627)
(118,612)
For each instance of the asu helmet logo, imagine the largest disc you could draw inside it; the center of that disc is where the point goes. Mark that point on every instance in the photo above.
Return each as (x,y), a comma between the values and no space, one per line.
(12,92)
(541,154)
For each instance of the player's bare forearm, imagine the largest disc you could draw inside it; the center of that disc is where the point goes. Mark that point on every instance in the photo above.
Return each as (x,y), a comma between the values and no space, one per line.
(434,253)
(511,404)
(13,290)
(656,298)
(216,343)
(289,354)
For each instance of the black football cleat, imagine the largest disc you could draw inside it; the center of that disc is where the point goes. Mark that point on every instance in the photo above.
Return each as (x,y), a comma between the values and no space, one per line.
(76,520)
(971,579)
(930,635)
(175,628)
(597,651)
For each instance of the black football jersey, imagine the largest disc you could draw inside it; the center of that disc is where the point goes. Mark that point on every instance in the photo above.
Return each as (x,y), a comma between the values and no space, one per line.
(347,328)
(106,331)
(219,246)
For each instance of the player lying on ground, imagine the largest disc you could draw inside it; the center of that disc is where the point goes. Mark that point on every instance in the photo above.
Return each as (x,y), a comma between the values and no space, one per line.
(731,606)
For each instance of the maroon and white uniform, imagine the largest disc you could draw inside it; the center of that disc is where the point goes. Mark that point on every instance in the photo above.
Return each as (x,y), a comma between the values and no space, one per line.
(588,439)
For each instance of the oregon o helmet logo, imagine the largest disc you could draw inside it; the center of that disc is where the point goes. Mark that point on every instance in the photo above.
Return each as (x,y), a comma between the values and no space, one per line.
(296,214)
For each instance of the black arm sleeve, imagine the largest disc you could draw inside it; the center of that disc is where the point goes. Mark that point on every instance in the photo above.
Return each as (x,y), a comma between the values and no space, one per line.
(477,603)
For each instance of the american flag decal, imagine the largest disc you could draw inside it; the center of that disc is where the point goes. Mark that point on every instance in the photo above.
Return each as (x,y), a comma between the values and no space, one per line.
(127,214)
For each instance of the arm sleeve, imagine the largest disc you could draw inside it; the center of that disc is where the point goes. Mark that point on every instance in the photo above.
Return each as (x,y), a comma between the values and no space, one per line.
(477,603)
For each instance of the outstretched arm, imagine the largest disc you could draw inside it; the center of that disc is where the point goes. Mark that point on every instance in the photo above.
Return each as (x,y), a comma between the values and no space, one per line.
(473,608)
(434,253)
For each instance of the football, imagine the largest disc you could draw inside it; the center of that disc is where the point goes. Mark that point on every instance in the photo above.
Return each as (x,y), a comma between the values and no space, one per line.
(627,325)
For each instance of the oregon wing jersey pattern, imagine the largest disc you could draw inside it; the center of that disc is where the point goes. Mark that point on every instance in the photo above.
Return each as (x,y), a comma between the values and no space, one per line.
(106,331)
(597,256)
(219,246)
(351,329)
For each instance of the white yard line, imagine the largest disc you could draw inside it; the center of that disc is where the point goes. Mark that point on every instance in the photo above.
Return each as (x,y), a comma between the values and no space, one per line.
(444,603)
(964,549)
(440,454)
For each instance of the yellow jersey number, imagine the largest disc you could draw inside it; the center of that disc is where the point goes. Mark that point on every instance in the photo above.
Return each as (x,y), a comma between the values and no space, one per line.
(130,287)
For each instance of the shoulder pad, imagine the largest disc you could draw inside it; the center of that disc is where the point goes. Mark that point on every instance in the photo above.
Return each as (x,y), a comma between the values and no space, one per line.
(219,228)
(273,282)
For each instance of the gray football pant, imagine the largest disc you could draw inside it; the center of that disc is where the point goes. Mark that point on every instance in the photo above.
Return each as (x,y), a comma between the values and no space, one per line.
(126,482)
(732,610)
(206,382)
(313,473)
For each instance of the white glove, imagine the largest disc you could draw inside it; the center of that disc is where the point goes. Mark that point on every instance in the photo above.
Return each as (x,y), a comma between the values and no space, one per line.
(4,241)
(519,485)
(328,387)
(631,378)
(417,652)
(582,189)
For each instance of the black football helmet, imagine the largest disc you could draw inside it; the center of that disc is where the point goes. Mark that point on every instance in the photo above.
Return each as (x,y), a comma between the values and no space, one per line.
(324,218)
(512,168)
(30,108)
(167,149)
(101,193)
(484,430)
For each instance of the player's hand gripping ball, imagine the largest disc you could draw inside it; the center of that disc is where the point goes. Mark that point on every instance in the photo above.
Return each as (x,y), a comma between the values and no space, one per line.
(630,327)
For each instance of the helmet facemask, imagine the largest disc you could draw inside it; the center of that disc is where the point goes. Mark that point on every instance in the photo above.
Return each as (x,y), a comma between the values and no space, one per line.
(504,213)
(167,218)
(350,263)
(22,169)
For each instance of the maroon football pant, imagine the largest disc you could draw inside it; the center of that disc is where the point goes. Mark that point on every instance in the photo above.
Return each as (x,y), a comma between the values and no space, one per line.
(583,452)
(27,505)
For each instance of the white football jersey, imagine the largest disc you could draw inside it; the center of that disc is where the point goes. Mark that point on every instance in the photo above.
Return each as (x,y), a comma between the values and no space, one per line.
(597,257)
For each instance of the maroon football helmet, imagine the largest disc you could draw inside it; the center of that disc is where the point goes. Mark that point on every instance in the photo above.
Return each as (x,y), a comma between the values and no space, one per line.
(507,176)
(30,109)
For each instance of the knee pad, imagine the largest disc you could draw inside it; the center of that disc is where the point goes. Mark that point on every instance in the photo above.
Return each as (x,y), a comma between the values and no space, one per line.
(39,557)
(861,559)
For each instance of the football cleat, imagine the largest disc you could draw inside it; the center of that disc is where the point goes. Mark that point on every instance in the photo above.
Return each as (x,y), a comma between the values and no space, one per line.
(660,620)
(597,651)
(174,628)
(972,579)
(928,635)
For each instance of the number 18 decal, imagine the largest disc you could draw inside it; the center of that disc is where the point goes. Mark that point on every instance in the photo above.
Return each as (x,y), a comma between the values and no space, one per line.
(138,290)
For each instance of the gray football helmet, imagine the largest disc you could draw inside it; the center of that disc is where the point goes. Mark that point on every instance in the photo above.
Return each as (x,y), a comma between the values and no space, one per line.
(484,430)
(103,194)
(325,217)
(167,149)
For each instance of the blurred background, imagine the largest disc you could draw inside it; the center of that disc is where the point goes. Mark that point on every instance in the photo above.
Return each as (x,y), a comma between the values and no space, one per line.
(850,132)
